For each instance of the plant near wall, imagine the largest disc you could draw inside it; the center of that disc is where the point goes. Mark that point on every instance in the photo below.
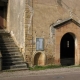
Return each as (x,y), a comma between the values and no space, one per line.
(44,67)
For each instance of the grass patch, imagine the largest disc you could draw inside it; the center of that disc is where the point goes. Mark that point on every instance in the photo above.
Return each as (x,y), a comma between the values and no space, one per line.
(36,68)
(45,67)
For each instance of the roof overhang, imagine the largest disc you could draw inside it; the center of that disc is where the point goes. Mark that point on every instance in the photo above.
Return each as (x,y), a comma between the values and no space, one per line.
(62,22)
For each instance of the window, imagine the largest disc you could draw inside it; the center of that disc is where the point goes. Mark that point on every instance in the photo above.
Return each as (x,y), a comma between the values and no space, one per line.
(39,44)
(67,44)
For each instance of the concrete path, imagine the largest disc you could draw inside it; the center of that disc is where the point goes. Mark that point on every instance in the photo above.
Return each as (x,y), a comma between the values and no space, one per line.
(49,74)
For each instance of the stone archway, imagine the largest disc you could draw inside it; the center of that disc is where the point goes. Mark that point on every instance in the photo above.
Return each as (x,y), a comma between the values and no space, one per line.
(72,29)
(39,59)
(67,49)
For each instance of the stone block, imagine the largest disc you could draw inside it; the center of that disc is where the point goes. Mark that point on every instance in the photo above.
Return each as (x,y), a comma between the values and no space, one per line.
(29,37)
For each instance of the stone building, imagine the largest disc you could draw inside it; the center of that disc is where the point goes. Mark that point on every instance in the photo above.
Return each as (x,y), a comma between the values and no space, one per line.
(45,31)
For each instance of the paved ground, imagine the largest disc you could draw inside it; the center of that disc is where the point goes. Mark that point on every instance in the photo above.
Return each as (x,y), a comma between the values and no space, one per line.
(50,74)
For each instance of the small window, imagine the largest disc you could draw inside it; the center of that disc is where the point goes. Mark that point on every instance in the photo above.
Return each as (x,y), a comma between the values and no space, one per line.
(39,44)
(67,44)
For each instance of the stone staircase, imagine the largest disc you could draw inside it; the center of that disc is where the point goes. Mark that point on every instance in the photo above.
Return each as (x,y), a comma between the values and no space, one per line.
(11,57)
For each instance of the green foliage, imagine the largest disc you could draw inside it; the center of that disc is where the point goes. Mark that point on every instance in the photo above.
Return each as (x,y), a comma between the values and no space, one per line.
(44,67)
(50,67)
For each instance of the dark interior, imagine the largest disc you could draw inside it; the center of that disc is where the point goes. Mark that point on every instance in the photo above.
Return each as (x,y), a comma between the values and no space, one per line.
(67,49)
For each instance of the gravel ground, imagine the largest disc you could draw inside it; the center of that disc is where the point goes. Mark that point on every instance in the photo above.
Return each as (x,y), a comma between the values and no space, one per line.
(40,72)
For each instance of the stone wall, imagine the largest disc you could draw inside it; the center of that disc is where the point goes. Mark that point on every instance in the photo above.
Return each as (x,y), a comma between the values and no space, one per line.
(46,13)
(28,31)
(15,19)
(34,19)
(39,17)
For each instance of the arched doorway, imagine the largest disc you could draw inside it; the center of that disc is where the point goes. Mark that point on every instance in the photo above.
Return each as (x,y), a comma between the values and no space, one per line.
(39,59)
(67,49)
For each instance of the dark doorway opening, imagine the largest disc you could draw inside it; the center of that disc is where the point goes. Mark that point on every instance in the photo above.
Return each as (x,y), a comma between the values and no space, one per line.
(3,14)
(67,50)
(1,17)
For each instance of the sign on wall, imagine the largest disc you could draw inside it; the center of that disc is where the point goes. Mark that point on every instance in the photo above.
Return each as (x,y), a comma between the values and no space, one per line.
(39,44)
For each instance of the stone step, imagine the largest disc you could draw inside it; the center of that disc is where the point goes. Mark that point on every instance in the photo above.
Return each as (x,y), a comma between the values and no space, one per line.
(8,46)
(16,69)
(4,34)
(4,60)
(6,40)
(11,57)
(9,50)
(5,48)
(13,63)
(12,53)
(24,66)
(7,43)
(3,31)
(6,37)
